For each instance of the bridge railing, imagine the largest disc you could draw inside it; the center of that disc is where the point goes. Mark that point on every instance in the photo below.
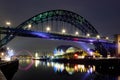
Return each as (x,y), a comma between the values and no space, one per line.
(11,30)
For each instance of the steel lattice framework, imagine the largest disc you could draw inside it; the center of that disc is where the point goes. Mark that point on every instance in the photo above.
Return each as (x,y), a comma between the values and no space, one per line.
(57,15)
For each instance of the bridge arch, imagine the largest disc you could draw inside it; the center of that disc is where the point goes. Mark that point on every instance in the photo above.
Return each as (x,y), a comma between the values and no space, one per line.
(57,15)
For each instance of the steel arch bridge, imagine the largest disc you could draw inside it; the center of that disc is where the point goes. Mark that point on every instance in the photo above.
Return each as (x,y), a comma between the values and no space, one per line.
(62,16)
(55,15)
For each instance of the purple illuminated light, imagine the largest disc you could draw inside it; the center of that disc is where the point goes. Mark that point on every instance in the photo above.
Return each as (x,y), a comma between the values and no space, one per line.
(40,34)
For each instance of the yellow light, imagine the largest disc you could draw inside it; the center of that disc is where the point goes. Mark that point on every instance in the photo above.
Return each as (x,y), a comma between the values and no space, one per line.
(48,64)
(81,57)
(36,55)
(88,35)
(107,38)
(2,54)
(81,66)
(98,36)
(7,58)
(29,26)
(28,60)
(48,29)
(37,62)
(8,23)
(63,31)
(76,33)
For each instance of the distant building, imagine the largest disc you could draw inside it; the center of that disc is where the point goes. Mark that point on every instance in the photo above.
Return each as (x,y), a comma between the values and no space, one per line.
(65,49)
(69,51)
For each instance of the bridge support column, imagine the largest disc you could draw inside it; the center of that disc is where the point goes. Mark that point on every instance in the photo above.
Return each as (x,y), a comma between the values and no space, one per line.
(0,35)
(0,38)
(117,41)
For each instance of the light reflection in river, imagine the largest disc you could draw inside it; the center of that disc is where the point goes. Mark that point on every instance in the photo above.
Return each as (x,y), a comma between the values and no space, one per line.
(71,68)
(35,70)
(25,67)
(57,67)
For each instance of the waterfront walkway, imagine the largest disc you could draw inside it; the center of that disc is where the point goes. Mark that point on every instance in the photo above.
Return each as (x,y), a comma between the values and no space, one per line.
(2,77)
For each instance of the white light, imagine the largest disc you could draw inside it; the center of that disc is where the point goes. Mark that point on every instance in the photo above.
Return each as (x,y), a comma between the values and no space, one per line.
(48,29)
(108,56)
(107,38)
(88,35)
(10,52)
(7,58)
(36,55)
(76,33)
(52,57)
(48,64)
(37,62)
(91,53)
(8,23)
(98,36)
(29,26)
(8,48)
(2,54)
(63,31)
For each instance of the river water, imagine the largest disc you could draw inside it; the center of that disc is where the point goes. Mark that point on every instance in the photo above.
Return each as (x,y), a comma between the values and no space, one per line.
(40,70)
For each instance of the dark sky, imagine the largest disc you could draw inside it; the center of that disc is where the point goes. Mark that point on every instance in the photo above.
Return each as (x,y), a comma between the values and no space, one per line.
(104,15)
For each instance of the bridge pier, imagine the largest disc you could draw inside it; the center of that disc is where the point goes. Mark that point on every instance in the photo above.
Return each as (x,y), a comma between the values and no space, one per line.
(117,43)
(0,35)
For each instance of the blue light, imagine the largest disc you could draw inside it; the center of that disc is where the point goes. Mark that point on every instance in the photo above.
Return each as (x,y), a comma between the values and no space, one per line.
(40,34)
(90,70)
(55,51)
(91,40)
(55,69)
(10,53)
(61,51)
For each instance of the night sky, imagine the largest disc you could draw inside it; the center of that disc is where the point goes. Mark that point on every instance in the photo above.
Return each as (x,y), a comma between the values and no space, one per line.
(104,15)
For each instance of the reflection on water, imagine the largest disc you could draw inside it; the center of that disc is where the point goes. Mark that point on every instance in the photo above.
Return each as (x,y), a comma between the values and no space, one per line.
(36,70)
(24,66)
(70,68)
(57,67)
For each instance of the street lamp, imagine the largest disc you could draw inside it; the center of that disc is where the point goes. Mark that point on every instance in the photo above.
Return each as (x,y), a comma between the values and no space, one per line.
(76,33)
(48,29)
(8,23)
(107,38)
(29,26)
(98,36)
(63,30)
(88,35)
(2,54)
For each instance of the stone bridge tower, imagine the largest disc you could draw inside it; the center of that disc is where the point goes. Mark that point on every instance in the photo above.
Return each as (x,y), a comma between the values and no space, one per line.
(117,41)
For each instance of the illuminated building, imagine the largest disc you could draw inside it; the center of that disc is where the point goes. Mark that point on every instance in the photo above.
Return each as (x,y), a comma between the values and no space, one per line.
(117,40)
(69,51)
